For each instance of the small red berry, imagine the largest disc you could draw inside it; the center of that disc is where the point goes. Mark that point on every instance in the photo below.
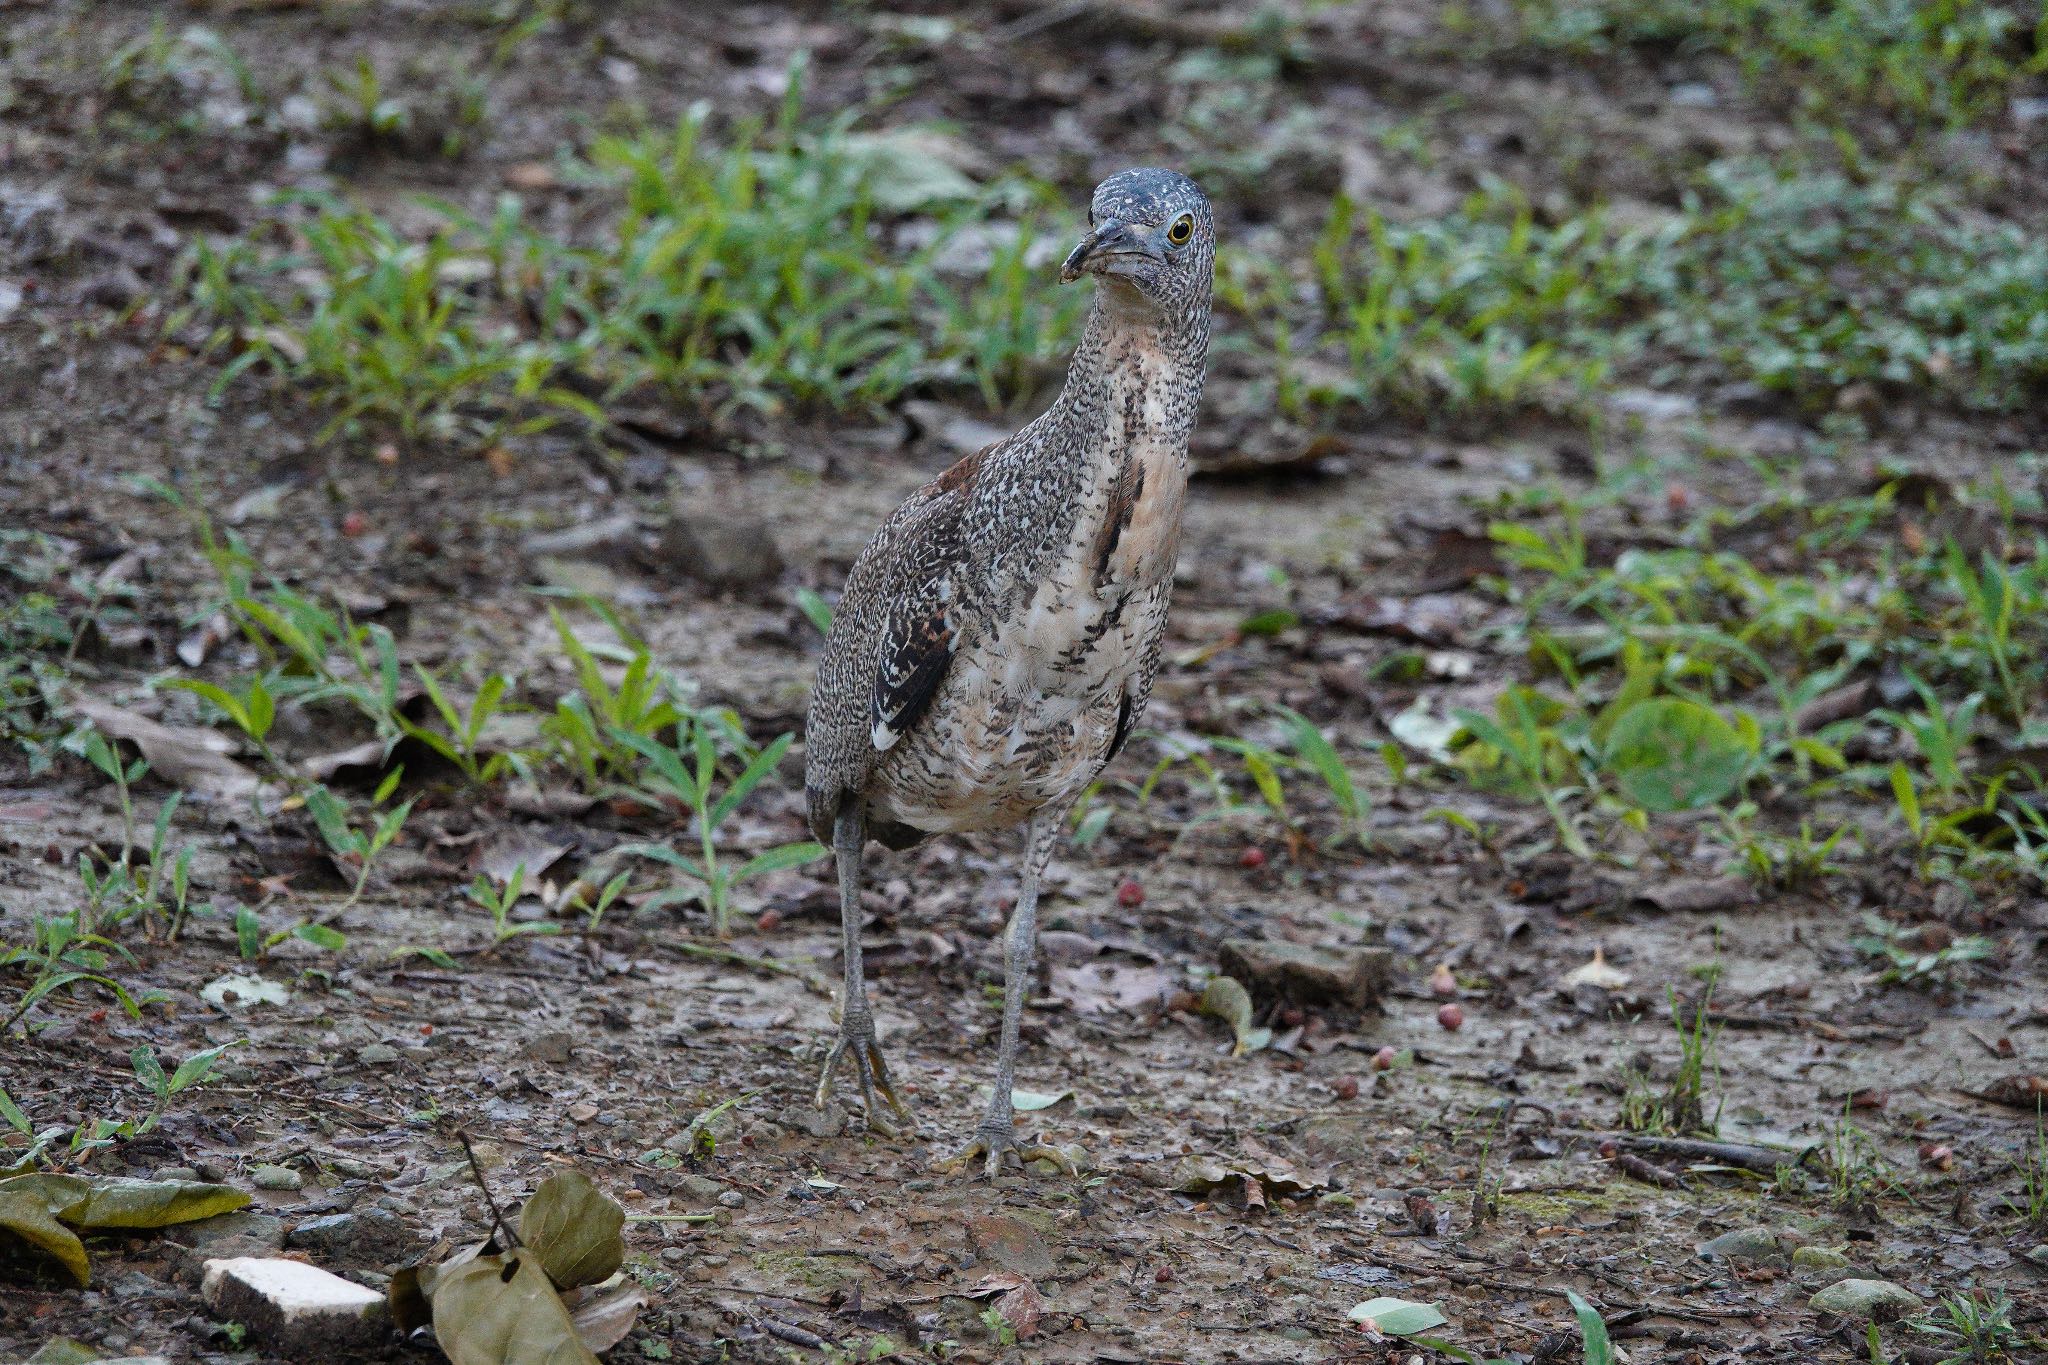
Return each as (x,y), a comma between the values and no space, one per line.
(1442,984)
(1384,1059)
(1451,1017)
(1293,1016)
(1347,1087)
(1163,1275)
(354,524)
(1252,858)
(426,1030)
(1130,893)
(769,922)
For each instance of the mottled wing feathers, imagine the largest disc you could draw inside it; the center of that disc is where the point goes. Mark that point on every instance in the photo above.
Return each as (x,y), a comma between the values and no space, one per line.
(893,636)
(917,646)
(921,633)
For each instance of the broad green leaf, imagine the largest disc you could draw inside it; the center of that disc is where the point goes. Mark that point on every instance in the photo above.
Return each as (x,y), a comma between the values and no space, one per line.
(1031,1101)
(196,1068)
(1599,1350)
(248,933)
(1227,1000)
(501,1310)
(1670,754)
(1269,622)
(150,1071)
(11,1112)
(110,1202)
(574,1227)
(25,1215)
(321,936)
(763,764)
(1398,1317)
(66,1351)
(780,859)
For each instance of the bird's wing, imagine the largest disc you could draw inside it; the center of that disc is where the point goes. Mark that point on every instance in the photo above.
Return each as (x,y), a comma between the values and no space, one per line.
(921,630)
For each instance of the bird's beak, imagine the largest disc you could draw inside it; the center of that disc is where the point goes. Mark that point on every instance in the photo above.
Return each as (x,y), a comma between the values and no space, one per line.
(1111,244)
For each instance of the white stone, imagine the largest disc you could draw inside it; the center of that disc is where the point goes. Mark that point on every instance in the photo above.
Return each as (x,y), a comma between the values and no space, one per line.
(285,1301)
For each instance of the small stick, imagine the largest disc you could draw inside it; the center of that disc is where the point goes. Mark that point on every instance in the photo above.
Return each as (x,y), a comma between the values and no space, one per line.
(497,1217)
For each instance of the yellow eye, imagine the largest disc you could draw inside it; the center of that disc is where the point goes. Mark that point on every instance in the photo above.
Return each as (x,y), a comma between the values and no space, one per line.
(1182,229)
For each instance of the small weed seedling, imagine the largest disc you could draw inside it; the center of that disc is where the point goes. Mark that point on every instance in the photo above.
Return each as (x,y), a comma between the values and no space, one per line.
(194,1071)
(350,846)
(1908,963)
(1975,1328)
(689,773)
(500,900)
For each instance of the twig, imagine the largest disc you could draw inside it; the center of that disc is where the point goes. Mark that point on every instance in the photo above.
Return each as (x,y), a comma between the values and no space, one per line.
(1634,1166)
(794,1335)
(766,964)
(497,1217)
(1747,1156)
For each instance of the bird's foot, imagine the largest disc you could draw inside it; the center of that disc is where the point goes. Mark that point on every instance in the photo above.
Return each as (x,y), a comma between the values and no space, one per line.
(856,1040)
(994,1141)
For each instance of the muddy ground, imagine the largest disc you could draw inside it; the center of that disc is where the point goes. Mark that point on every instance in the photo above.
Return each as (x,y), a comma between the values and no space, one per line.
(1472,1175)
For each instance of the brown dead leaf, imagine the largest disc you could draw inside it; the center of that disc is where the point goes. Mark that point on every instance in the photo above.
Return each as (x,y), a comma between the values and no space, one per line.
(1109,987)
(2018,1092)
(1700,893)
(186,756)
(602,1317)
(1016,1298)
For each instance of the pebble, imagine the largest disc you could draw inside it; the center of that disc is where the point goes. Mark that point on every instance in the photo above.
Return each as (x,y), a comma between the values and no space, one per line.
(732,1199)
(377,1054)
(277,1178)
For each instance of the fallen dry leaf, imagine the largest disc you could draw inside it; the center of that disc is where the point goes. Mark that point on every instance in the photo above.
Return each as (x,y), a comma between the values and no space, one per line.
(186,756)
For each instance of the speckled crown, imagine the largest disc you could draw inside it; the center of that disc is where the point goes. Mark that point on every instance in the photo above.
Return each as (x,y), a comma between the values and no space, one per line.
(1149,195)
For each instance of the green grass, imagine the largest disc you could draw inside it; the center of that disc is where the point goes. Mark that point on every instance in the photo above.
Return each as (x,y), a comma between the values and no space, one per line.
(775,267)
(1940,61)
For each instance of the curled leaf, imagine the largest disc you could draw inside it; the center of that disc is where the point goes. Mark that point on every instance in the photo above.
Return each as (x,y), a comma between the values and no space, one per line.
(26,1217)
(575,1229)
(501,1310)
(1227,1000)
(1398,1317)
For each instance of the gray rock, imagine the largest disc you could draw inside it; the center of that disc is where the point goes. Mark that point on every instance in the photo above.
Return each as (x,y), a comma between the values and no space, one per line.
(2039,1255)
(377,1054)
(184,1173)
(1819,1258)
(1743,1244)
(732,1199)
(297,1309)
(615,536)
(556,1046)
(263,1229)
(699,1187)
(370,1234)
(1308,974)
(726,549)
(804,1117)
(277,1178)
(1867,1300)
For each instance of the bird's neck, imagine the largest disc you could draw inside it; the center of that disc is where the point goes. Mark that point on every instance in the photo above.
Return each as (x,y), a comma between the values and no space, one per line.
(1138,369)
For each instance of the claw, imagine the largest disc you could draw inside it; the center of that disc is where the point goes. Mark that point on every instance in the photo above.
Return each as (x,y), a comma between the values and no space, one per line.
(857,1039)
(995,1143)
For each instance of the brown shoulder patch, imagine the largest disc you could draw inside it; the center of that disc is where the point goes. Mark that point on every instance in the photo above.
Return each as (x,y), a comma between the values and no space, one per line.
(1116,519)
(960,475)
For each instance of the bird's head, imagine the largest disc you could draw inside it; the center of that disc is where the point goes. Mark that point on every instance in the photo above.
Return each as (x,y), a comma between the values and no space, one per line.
(1150,237)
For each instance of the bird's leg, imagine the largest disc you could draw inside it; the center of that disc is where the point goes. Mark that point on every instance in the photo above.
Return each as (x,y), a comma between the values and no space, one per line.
(997,1135)
(856,1021)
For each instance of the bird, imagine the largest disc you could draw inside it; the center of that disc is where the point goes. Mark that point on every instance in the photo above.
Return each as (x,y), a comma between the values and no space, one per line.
(998,638)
